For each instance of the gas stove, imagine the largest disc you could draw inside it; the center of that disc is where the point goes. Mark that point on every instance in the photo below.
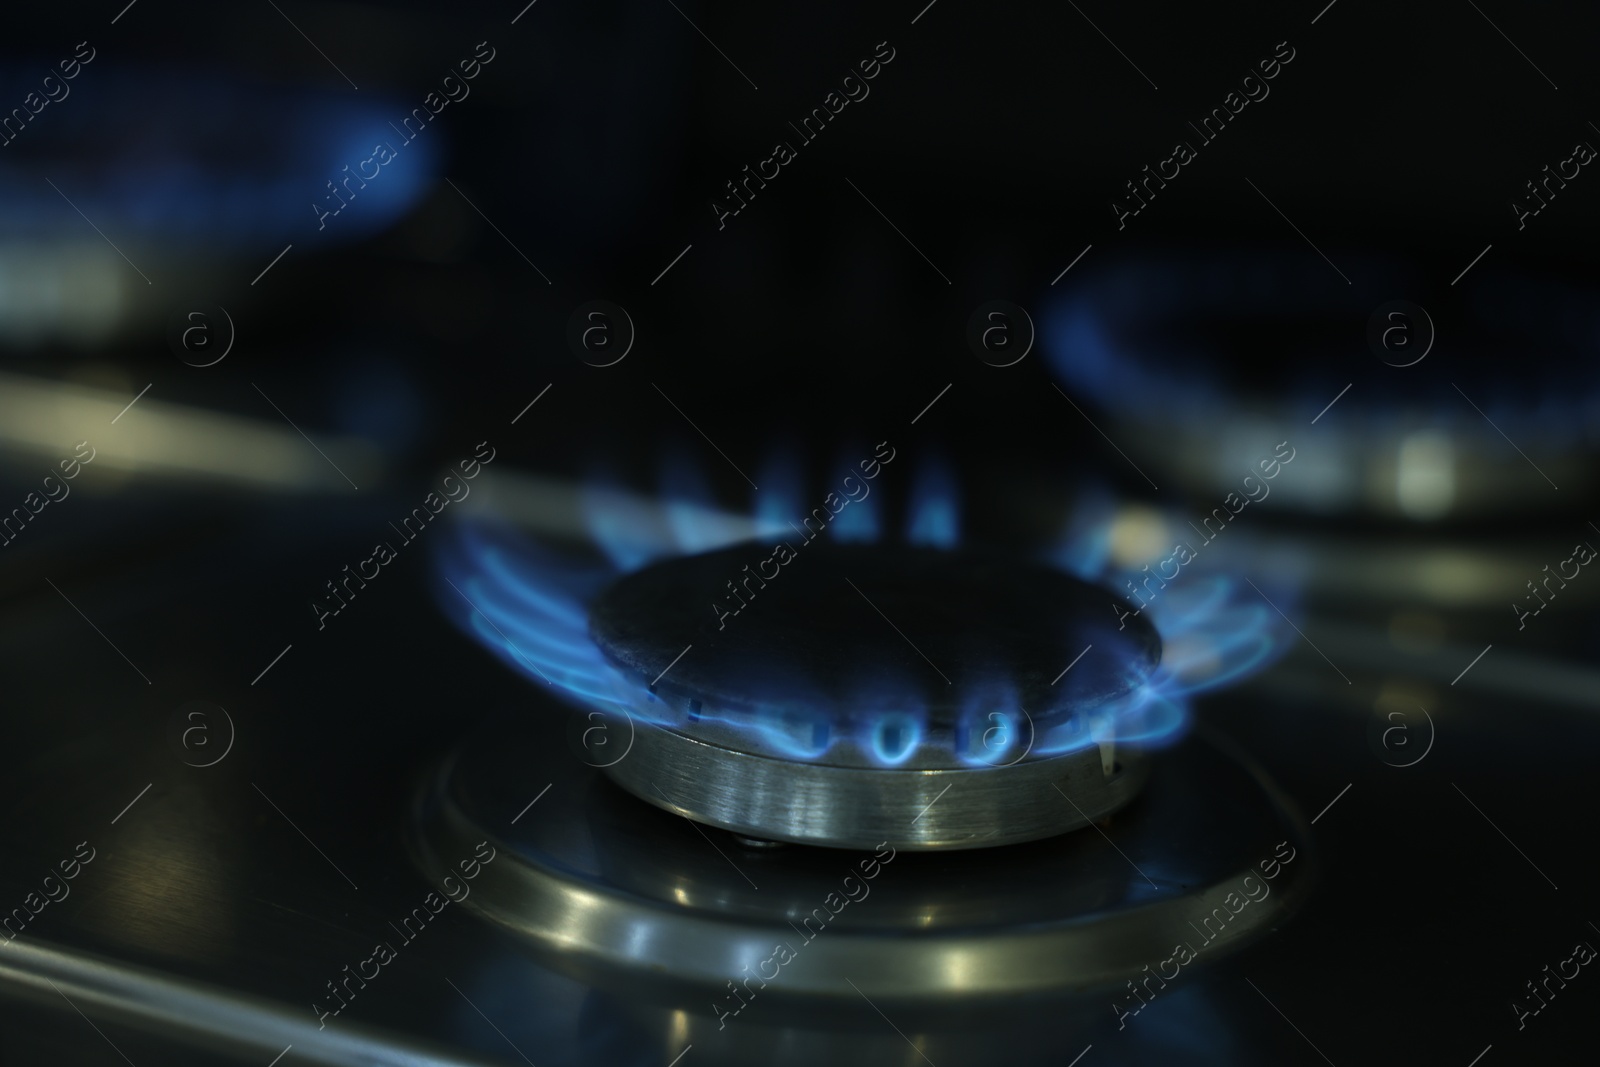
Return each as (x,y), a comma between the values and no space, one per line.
(504,612)
(913,791)
(807,722)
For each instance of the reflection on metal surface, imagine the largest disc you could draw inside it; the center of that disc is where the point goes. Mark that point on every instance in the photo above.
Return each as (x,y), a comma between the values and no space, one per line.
(153,871)
(560,508)
(1425,475)
(161,439)
(74,291)
(1416,631)
(614,890)
(204,1016)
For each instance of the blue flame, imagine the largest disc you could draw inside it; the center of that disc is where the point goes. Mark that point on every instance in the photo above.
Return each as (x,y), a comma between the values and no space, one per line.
(528,607)
(691,509)
(529,604)
(858,521)
(894,736)
(934,508)
(621,526)
(1085,549)
(797,728)
(782,492)
(993,728)
(239,163)
(1214,631)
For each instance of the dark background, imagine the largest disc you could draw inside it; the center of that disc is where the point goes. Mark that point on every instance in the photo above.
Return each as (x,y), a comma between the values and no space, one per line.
(597,138)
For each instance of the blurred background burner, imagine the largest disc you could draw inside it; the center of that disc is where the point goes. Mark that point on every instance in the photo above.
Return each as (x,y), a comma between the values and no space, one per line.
(861,729)
(1221,353)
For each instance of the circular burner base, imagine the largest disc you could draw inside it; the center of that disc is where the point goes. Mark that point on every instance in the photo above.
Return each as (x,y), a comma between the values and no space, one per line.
(615,892)
(854,807)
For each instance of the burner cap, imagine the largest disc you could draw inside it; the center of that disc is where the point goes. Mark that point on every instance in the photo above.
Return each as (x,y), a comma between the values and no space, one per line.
(856,630)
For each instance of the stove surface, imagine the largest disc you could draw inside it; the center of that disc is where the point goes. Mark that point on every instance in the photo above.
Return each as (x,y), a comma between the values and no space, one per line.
(516,549)
(230,899)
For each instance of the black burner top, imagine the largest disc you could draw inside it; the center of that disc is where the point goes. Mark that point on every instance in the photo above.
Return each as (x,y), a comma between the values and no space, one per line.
(859,628)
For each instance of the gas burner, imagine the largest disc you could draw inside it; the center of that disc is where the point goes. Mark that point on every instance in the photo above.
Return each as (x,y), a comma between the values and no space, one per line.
(1189,349)
(852,693)
(879,695)
(912,700)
